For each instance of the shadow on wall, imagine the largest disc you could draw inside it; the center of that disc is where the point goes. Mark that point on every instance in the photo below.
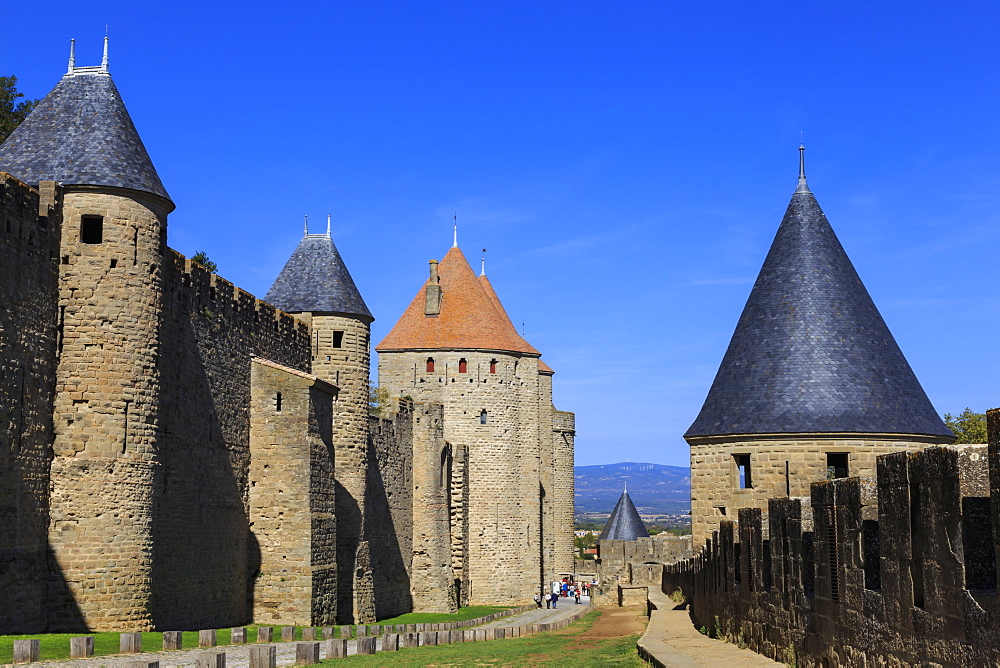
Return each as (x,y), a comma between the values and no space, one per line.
(203,552)
(390,571)
(348,538)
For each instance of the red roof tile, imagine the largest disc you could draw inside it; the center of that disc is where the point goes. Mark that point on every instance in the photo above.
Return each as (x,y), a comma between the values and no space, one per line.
(471,316)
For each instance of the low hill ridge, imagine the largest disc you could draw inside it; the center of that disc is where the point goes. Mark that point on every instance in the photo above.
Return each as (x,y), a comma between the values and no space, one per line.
(654,488)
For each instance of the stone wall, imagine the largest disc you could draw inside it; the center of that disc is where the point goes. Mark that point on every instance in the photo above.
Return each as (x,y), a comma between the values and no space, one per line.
(781,465)
(899,569)
(625,563)
(206,556)
(495,414)
(563,490)
(30,222)
(292,497)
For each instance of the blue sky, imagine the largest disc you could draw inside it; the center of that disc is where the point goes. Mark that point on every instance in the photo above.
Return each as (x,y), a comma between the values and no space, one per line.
(626,165)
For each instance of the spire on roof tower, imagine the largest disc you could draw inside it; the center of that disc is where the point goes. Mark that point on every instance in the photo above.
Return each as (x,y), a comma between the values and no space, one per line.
(104,60)
(328,226)
(803,186)
(482,268)
(72,56)
(454,244)
(307,226)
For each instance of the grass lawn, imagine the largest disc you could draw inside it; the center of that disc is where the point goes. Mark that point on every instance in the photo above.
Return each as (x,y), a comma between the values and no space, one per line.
(56,645)
(566,647)
(471,612)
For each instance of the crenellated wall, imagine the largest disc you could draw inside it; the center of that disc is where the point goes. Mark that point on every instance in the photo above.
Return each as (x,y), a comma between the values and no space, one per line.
(30,222)
(897,569)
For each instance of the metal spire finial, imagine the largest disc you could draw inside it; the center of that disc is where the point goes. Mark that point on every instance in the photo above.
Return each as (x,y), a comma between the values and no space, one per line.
(803,187)
(72,56)
(307,226)
(482,270)
(328,216)
(104,60)
(454,243)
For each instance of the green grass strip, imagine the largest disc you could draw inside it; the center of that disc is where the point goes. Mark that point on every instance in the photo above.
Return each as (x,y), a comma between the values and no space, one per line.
(463,614)
(555,648)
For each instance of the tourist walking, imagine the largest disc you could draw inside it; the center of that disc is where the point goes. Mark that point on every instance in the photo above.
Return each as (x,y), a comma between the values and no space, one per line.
(555,600)
(538,600)
(576,593)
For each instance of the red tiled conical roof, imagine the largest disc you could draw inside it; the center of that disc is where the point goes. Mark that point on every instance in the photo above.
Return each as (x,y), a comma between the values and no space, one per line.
(471,316)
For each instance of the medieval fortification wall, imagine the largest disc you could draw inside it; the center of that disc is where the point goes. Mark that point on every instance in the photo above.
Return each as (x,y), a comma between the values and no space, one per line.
(30,222)
(898,569)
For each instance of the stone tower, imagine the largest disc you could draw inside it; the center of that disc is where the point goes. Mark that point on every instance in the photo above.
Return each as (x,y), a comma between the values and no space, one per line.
(812,385)
(110,289)
(456,346)
(316,287)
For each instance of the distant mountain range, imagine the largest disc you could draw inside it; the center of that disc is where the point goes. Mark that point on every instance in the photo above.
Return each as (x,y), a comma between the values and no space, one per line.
(654,488)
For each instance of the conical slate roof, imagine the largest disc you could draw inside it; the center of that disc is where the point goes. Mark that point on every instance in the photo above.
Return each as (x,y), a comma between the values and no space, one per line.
(811,352)
(81,134)
(316,279)
(624,523)
(470,318)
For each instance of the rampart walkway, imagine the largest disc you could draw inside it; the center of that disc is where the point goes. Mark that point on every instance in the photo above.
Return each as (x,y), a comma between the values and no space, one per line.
(672,641)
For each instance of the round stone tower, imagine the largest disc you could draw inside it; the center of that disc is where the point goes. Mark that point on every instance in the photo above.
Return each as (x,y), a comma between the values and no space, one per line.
(105,415)
(316,287)
(813,385)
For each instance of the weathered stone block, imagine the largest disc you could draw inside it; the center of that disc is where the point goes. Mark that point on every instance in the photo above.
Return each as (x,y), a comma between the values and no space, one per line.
(308,633)
(390,642)
(238,636)
(173,640)
(409,640)
(336,648)
(130,643)
(264,657)
(366,645)
(210,660)
(81,647)
(207,638)
(306,653)
(327,632)
(287,634)
(265,634)
(26,650)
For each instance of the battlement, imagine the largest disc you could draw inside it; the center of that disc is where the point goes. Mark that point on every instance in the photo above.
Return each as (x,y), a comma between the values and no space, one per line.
(901,565)
(213,292)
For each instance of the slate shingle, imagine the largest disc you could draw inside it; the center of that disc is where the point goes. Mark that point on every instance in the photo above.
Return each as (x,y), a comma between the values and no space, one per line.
(811,352)
(316,279)
(624,523)
(81,134)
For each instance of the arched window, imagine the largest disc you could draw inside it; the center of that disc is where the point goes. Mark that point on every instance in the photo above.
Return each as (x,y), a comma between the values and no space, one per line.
(482,416)
(463,366)
(493,366)
(430,365)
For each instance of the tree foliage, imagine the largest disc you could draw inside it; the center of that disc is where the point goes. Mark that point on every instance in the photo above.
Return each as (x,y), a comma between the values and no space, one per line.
(584,542)
(201,257)
(12,111)
(969,427)
(378,399)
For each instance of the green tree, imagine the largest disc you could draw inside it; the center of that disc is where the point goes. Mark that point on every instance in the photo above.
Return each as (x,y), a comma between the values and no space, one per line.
(969,427)
(584,542)
(12,112)
(201,257)
(378,399)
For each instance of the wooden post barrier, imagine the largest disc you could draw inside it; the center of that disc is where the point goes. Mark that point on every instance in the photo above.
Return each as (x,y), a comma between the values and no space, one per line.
(265,634)
(141,664)
(26,650)
(361,630)
(390,642)
(207,638)
(306,653)
(336,648)
(129,643)
(81,647)
(366,645)
(173,640)
(409,640)
(264,657)
(308,633)
(238,636)
(327,632)
(427,638)
(375,630)
(210,660)
(469,635)
(287,634)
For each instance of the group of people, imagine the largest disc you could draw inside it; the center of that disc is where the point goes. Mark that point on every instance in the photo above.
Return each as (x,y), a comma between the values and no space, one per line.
(564,589)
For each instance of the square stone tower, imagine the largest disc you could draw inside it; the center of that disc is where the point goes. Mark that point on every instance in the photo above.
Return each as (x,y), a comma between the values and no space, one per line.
(512,520)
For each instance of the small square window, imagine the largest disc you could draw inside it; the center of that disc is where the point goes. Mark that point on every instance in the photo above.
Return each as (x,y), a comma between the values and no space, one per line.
(92,229)
(743,467)
(836,465)
(338,339)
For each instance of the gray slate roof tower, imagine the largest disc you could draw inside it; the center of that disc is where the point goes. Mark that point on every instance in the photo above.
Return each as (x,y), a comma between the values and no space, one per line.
(811,353)
(624,523)
(81,134)
(315,279)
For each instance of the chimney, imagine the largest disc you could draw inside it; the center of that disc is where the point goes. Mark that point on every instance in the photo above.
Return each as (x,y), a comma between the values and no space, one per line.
(432,306)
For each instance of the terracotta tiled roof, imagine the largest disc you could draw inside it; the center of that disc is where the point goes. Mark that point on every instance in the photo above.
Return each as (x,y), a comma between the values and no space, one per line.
(544,368)
(471,316)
